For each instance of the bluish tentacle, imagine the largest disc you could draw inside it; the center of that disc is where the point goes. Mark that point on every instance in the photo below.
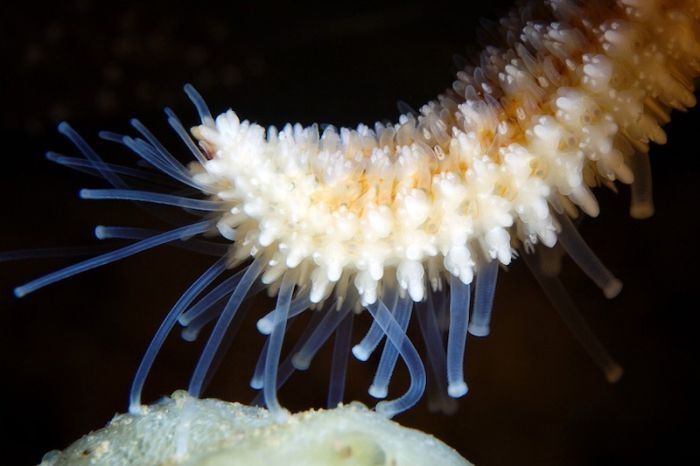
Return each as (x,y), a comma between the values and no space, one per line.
(173,235)
(339,364)
(166,327)
(457,337)
(569,313)
(486,278)
(387,363)
(274,349)
(410,356)
(217,335)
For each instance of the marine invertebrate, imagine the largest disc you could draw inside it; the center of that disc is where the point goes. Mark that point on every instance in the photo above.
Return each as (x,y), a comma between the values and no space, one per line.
(437,156)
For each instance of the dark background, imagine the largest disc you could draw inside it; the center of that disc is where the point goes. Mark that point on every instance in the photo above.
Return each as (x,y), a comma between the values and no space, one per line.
(69,351)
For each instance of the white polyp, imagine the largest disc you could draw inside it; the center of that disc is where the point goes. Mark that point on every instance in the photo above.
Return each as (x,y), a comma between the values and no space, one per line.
(319,285)
(410,275)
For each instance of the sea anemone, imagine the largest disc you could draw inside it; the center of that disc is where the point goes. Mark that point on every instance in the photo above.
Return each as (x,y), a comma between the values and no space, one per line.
(408,217)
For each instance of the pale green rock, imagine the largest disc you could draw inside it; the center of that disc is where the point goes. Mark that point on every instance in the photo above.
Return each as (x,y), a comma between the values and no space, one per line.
(186,431)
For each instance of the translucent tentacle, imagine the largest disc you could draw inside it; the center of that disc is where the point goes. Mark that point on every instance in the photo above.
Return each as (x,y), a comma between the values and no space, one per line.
(274,349)
(159,149)
(191,332)
(479,325)
(387,362)
(146,196)
(256,382)
(217,335)
(302,359)
(45,253)
(410,356)
(299,304)
(148,153)
(175,123)
(550,260)
(200,104)
(89,167)
(173,235)
(208,248)
(435,350)
(339,364)
(286,368)
(457,337)
(85,149)
(364,349)
(571,316)
(222,290)
(642,202)
(166,327)
(586,259)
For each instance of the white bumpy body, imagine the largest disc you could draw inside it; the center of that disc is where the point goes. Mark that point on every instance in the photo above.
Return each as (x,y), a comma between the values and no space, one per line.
(565,104)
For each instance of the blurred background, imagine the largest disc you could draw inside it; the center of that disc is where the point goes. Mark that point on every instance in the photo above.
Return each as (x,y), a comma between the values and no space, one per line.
(69,351)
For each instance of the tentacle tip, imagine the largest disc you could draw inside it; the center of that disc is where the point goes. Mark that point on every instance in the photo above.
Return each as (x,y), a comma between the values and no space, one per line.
(189,335)
(136,408)
(479,330)
(63,127)
(99,230)
(256,383)
(360,353)
(300,363)
(457,389)
(264,326)
(377,391)
(642,210)
(614,373)
(612,288)
(20,292)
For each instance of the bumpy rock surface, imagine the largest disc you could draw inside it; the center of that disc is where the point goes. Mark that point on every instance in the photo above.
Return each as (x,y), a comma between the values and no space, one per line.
(186,431)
